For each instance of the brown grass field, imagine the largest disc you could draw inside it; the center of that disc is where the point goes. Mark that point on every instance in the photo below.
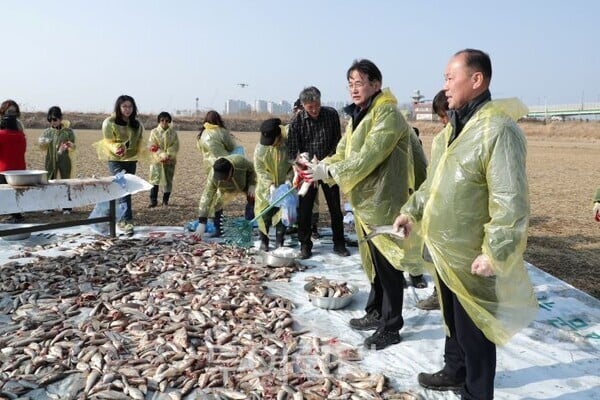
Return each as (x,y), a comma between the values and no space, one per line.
(563,160)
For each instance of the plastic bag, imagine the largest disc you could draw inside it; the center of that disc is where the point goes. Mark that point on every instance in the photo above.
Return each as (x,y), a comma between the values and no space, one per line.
(103,210)
(239,150)
(288,205)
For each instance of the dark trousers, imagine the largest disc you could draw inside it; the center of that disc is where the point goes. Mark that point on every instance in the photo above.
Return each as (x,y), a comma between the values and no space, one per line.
(332,196)
(129,166)
(387,292)
(468,354)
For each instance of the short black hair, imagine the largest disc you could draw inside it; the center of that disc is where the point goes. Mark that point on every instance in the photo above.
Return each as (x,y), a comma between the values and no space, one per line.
(366,67)
(478,61)
(440,103)
(54,112)
(164,115)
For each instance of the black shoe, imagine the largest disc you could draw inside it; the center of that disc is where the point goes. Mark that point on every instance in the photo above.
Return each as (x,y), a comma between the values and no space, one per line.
(153,203)
(367,323)
(382,338)
(430,303)
(305,253)
(314,232)
(418,281)
(341,250)
(440,381)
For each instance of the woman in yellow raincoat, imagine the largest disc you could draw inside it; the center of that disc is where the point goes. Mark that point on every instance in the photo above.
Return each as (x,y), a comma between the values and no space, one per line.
(163,143)
(122,146)
(58,141)
(214,140)
(272,170)
(474,212)
(371,165)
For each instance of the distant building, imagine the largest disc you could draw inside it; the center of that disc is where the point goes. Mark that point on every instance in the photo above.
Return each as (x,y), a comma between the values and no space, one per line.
(236,107)
(260,106)
(423,111)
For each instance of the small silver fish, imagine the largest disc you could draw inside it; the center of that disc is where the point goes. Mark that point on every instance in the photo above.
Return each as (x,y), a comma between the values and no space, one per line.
(383,230)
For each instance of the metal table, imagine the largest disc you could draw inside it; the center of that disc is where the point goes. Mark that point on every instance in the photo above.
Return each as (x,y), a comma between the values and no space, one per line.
(67,193)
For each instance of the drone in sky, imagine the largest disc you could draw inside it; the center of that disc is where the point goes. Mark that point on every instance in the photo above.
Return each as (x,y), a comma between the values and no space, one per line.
(242,85)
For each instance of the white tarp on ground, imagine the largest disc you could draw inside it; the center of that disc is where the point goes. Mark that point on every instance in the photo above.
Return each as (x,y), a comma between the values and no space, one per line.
(557,357)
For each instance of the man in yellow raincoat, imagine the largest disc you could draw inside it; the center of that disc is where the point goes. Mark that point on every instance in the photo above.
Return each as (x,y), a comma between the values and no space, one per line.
(230,175)
(474,212)
(371,165)
(272,170)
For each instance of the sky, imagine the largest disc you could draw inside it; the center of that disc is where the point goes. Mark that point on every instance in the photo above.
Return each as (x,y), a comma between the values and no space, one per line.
(81,55)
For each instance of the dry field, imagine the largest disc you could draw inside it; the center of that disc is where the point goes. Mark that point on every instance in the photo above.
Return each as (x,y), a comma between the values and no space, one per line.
(563,160)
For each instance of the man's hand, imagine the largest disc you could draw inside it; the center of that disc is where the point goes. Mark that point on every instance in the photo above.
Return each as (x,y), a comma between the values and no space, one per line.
(44,140)
(482,266)
(200,230)
(597,211)
(272,189)
(154,148)
(251,192)
(164,157)
(317,171)
(403,222)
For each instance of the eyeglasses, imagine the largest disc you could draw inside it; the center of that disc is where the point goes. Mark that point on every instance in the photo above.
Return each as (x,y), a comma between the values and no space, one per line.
(53,119)
(356,85)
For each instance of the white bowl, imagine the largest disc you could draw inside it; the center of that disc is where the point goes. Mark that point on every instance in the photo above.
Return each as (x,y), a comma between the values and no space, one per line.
(25,177)
(330,303)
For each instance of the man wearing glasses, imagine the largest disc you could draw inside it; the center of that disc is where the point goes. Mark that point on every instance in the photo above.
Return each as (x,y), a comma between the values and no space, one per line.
(371,165)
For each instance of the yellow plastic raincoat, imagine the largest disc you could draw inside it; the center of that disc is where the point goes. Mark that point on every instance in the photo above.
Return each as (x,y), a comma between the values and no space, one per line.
(120,136)
(272,168)
(214,142)
(475,201)
(218,193)
(371,165)
(165,144)
(57,161)
(597,196)
(413,257)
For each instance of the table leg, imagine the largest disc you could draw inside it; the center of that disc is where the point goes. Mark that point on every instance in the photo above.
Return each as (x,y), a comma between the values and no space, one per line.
(112,215)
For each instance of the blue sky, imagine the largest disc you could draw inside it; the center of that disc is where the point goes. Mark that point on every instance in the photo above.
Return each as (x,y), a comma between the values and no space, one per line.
(83,55)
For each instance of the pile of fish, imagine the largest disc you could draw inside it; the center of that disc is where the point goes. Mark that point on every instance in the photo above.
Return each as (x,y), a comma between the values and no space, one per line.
(324,287)
(163,319)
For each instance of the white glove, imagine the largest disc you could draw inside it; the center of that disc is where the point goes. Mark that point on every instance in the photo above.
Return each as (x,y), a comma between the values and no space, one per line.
(200,230)
(272,189)
(597,211)
(482,266)
(403,222)
(318,171)
(251,192)
(163,156)
(44,140)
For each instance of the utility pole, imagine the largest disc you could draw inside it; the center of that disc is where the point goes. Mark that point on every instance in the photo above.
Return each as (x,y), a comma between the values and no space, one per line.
(197,111)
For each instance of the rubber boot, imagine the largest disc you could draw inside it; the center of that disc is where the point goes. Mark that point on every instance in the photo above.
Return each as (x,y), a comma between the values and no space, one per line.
(279,234)
(153,196)
(264,241)
(166,198)
(218,220)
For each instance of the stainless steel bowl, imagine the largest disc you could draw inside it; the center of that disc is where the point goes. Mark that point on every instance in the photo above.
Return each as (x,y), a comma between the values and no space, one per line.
(273,260)
(18,236)
(25,177)
(330,303)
